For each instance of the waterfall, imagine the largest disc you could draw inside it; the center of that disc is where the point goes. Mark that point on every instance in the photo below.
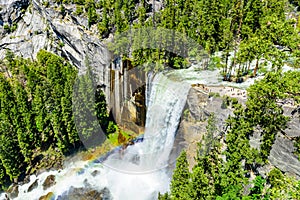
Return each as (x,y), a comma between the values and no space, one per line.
(141,170)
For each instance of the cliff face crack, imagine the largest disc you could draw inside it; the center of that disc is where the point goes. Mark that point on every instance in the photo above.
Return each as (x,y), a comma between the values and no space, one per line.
(60,36)
(9,43)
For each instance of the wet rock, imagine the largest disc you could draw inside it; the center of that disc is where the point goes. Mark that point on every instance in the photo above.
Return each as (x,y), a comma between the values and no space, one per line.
(26,179)
(33,186)
(85,194)
(13,191)
(95,173)
(50,181)
(48,196)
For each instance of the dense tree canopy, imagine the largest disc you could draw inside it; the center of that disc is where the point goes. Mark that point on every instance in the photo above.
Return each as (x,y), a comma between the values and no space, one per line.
(249,33)
(36,110)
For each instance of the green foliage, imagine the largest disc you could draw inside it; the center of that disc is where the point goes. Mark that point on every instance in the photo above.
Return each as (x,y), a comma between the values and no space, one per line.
(89,109)
(258,189)
(61,44)
(204,180)
(282,187)
(214,94)
(4,179)
(10,154)
(111,128)
(62,9)
(163,196)
(6,27)
(263,109)
(233,193)
(46,4)
(36,110)
(180,181)
(79,10)
(13,27)
(250,30)
(91,13)
(79,2)
(215,63)
(275,178)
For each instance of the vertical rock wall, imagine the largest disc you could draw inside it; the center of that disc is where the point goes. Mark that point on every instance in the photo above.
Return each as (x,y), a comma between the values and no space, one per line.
(127,95)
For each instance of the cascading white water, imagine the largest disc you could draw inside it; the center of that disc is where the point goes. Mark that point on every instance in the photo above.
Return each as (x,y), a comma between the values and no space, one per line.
(142,170)
(138,172)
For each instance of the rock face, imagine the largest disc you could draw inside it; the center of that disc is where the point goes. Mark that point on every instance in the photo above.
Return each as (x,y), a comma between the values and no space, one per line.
(282,153)
(38,27)
(293,129)
(198,108)
(13,12)
(282,156)
(45,28)
(47,196)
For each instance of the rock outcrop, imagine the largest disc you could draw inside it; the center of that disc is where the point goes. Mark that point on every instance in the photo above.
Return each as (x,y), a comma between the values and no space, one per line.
(282,156)
(194,121)
(38,27)
(198,108)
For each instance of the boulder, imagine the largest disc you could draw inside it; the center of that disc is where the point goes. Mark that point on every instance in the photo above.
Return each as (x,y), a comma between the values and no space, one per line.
(85,194)
(50,181)
(33,186)
(95,173)
(13,191)
(49,195)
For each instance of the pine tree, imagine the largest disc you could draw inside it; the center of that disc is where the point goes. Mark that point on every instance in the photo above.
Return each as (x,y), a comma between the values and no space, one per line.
(12,159)
(199,186)
(209,165)
(4,179)
(23,122)
(85,110)
(180,180)
(91,13)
